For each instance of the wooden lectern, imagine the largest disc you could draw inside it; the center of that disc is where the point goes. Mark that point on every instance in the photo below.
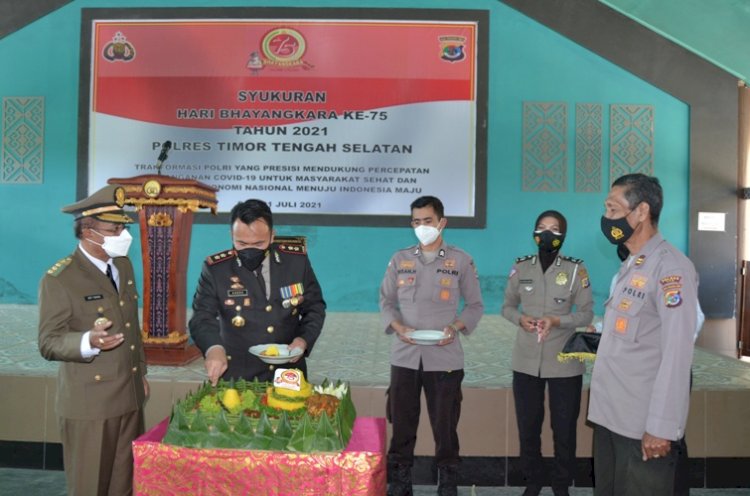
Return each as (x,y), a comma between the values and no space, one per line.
(165,207)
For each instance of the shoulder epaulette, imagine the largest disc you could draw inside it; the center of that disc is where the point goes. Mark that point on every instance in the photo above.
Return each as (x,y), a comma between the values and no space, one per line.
(455,248)
(293,246)
(59,266)
(571,259)
(220,257)
(523,259)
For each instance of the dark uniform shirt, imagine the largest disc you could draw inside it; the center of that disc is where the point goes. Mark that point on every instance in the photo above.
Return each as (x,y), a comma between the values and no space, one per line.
(231,309)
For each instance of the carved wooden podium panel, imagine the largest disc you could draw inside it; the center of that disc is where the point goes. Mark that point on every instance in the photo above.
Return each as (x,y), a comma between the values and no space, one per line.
(165,207)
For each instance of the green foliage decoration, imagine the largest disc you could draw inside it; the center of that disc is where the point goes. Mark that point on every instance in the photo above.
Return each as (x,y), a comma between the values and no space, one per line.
(201,421)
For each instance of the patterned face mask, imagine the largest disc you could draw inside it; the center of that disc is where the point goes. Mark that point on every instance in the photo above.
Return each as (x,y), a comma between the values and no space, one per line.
(548,241)
(617,231)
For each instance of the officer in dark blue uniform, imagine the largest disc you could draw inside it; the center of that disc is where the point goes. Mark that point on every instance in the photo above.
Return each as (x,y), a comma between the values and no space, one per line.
(259,292)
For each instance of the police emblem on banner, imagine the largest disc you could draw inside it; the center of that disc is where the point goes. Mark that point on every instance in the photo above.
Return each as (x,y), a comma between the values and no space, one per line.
(119,49)
(452,48)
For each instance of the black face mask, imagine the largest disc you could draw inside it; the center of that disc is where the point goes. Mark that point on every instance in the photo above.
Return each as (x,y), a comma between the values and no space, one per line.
(547,241)
(622,252)
(251,258)
(617,231)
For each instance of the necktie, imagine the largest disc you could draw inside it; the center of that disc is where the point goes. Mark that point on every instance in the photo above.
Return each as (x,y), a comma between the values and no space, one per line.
(111,277)
(261,279)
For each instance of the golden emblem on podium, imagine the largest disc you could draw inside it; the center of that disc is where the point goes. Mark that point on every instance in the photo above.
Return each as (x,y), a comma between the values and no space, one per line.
(152,188)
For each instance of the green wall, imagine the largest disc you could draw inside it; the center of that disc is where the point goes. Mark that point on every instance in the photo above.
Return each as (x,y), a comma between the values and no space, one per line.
(528,62)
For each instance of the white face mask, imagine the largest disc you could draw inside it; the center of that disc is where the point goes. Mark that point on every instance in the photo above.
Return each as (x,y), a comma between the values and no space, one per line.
(426,234)
(115,246)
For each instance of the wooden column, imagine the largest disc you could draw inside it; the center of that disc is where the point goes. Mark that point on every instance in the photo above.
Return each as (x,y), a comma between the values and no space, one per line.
(165,207)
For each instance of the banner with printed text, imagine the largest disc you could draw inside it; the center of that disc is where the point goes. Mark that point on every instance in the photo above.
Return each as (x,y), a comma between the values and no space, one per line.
(327,117)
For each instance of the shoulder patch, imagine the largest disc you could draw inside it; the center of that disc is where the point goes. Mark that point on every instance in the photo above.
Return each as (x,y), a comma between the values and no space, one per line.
(296,245)
(220,257)
(573,260)
(523,259)
(294,249)
(59,266)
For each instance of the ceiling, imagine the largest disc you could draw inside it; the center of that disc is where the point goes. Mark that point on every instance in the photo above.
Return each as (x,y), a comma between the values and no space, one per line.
(717,30)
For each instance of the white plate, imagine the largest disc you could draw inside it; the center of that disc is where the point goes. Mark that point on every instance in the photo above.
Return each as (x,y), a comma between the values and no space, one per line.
(427,337)
(284,354)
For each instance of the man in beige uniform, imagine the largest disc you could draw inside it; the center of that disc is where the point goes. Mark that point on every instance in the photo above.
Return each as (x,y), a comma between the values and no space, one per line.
(640,385)
(88,320)
(422,290)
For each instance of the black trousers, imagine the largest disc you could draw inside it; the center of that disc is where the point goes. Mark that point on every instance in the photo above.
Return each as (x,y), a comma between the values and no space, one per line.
(564,406)
(443,394)
(619,469)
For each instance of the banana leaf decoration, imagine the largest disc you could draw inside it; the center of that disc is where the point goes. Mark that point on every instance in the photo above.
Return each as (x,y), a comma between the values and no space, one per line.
(244,427)
(263,434)
(326,438)
(283,434)
(192,426)
(303,439)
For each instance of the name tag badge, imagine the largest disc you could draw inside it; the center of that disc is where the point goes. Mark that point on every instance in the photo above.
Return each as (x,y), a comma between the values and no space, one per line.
(93,297)
(236,292)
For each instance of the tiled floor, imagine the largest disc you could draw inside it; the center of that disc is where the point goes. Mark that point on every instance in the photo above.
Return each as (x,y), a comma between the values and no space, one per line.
(52,483)
(353,348)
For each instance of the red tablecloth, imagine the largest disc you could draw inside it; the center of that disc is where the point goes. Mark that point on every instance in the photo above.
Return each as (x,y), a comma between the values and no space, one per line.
(162,469)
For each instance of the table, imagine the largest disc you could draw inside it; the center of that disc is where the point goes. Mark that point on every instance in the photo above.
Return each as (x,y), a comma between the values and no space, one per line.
(360,469)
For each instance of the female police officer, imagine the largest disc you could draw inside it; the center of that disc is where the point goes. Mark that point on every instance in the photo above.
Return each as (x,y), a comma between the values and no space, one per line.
(554,295)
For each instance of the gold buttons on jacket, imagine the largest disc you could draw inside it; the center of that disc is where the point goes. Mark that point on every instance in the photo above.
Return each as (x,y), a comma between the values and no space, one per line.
(127,324)
(132,347)
(269,308)
(271,367)
(122,303)
(97,377)
(229,357)
(270,329)
(135,369)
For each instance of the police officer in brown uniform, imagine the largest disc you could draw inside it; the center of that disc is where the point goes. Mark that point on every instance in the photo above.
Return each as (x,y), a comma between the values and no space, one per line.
(554,295)
(88,320)
(421,290)
(259,292)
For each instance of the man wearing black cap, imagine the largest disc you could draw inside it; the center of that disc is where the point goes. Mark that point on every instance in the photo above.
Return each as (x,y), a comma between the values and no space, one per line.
(88,320)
